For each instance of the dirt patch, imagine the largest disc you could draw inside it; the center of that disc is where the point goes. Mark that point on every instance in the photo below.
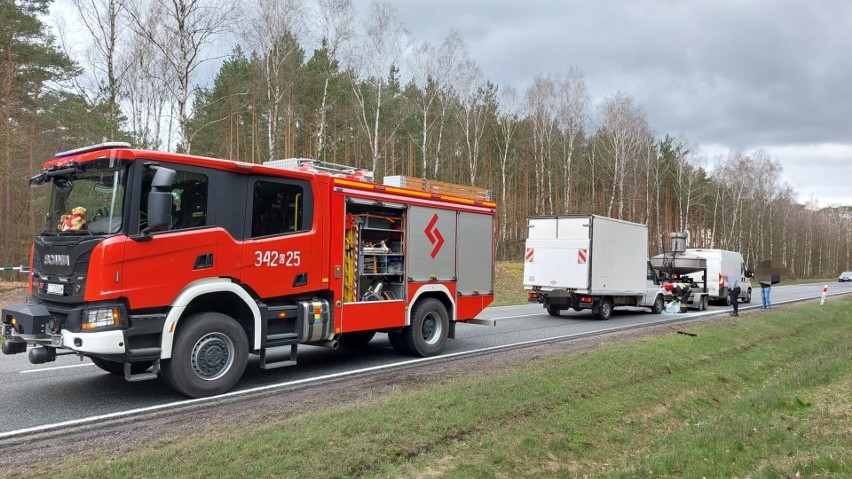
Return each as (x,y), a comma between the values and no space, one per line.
(21,458)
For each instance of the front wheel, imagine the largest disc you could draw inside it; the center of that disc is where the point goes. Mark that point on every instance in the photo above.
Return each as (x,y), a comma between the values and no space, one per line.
(747,298)
(209,355)
(429,327)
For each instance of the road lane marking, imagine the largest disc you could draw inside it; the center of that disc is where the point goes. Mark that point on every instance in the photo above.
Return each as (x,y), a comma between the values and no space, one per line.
(55,368)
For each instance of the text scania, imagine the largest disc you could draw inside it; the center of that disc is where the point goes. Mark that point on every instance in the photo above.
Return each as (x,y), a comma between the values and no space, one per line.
(57,260)
(274,258)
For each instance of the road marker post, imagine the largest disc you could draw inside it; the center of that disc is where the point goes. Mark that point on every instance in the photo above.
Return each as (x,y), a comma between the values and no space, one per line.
(824,291)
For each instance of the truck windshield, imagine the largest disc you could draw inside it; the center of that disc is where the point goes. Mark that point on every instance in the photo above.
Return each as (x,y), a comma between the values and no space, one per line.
(87,201)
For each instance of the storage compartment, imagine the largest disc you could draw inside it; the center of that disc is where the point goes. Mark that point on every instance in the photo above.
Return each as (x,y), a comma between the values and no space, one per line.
(374,267)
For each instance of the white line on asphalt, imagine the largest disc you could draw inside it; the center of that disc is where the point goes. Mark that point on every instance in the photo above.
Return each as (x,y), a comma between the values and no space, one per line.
(55,367)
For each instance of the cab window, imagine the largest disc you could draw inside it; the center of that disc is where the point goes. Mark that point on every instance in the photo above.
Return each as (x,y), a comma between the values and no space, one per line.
(189,199)
(279,208)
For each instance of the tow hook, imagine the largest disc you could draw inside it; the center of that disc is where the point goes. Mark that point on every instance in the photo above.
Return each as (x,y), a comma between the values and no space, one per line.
(42,354)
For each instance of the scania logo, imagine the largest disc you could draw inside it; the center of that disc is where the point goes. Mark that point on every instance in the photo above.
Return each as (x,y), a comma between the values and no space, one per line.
(57,260)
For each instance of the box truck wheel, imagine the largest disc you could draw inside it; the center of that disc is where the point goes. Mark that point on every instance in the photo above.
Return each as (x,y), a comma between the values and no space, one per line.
(659,303)
(117,368)
(209,355)
(704,302)
(604,310)
(553,310)
(428,331)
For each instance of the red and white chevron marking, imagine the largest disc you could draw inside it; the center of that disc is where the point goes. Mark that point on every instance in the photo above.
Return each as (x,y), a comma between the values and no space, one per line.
(581,255)
(528,256)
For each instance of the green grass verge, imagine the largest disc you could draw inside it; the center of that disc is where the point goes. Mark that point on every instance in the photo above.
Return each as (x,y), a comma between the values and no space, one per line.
(766,396)
(509,283)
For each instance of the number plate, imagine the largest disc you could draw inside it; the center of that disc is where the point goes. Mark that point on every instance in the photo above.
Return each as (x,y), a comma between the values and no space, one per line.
(55,289)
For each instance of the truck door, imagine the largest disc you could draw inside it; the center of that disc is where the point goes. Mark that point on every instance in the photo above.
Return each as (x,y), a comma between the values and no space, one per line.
(283,238)
(155,271)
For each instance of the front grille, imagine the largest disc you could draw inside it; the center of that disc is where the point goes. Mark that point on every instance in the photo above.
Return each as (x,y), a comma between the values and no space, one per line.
(81,267)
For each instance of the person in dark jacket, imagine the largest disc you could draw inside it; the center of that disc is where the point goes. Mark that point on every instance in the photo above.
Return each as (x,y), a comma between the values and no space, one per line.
(734,291)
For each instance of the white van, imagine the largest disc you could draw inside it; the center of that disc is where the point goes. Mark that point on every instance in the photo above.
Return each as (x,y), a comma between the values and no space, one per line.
(721,263)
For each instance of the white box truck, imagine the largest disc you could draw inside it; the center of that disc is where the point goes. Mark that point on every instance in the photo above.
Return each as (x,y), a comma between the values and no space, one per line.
(721,263)
(589,262)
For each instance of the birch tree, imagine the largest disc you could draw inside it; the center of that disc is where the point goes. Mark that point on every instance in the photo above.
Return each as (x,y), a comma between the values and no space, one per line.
(573,116)
(541,103)
(623,128)
(474,109)
(378,52)
(185,28)
(508,117)
(336,28)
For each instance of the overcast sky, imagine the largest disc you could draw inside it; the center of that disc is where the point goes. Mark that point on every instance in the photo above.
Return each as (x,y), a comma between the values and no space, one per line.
(727,74)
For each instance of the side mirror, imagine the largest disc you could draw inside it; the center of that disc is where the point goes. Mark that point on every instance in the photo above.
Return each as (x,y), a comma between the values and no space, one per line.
(160,200)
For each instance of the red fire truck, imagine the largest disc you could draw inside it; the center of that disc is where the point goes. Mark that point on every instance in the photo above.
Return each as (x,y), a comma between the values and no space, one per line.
(159,264)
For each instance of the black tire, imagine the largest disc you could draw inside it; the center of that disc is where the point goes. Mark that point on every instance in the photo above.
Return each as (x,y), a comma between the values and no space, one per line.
(429,327)
(727,300)
(704,302)
(357,339)
(209,355)
(553,310)
(747,298)
(114,367)
(659,304)
(396,343)
(605,309)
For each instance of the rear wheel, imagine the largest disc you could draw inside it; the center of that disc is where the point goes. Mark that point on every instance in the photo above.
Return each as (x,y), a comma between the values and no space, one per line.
(658,305)
(727,300)
(747,298)
(117,368)
(605,309)
(357,339)
(703,303)
(553,310)
(428,331)
(209,355)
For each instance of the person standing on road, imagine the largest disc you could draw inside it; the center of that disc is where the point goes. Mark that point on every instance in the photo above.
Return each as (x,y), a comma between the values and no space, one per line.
(765,289)
(734,291)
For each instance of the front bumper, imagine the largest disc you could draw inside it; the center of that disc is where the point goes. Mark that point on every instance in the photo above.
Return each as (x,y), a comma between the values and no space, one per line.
(34,324)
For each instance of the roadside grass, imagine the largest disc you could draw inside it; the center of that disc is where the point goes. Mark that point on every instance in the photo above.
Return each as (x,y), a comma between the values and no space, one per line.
(509,283)
(764,396)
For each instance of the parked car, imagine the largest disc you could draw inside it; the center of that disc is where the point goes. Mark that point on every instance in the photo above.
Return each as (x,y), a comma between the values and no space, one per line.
(845,276)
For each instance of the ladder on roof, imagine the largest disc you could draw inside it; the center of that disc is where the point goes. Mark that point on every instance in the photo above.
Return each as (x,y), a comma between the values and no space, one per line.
(320,166)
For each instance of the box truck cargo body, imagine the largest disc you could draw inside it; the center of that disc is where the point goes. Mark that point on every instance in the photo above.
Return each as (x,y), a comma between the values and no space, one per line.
(720,264)
(589,262)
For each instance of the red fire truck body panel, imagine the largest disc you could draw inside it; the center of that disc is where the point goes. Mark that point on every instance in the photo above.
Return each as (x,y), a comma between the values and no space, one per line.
(249,258)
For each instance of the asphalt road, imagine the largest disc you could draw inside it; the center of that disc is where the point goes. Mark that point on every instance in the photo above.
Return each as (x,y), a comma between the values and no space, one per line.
(40,397)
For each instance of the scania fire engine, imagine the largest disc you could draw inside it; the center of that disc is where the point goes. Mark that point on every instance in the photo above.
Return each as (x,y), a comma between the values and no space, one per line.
(156,264)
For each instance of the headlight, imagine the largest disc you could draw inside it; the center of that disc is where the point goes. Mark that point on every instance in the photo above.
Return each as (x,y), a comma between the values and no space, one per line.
(101,318)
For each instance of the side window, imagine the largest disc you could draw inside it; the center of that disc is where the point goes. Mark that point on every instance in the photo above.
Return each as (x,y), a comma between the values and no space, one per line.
(189,199)
(278,208)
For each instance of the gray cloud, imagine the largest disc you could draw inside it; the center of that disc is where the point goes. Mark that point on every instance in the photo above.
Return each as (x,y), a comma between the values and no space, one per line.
(742,74)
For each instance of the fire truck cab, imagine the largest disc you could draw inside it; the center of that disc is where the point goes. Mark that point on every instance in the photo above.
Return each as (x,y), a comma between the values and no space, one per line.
(159,264)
